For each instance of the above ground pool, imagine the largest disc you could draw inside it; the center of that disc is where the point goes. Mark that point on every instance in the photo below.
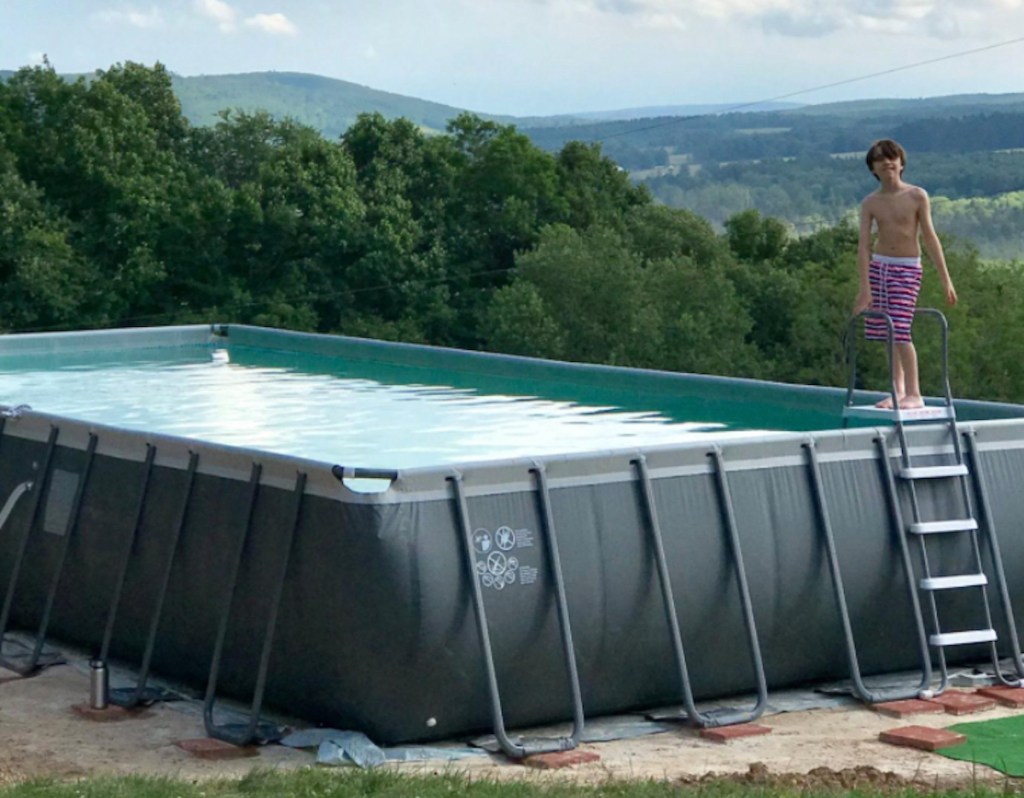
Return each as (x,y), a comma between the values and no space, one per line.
(421,543)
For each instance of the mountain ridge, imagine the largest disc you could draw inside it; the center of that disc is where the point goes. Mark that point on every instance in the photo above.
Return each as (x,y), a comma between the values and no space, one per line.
(332,104)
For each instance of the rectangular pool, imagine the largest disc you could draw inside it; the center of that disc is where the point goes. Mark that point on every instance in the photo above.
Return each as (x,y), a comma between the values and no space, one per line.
(182,499)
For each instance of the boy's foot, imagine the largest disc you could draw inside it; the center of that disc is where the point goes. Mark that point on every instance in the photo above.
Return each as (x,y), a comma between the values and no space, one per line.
(911,402)
(886,403)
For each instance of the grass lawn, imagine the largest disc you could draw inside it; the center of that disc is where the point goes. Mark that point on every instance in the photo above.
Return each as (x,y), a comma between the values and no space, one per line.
(322,783)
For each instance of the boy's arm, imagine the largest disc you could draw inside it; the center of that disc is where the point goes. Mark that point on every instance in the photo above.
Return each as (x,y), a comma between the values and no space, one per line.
(933,247)
(863,301)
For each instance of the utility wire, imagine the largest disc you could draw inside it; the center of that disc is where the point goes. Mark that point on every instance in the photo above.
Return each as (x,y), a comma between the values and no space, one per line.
(822,87)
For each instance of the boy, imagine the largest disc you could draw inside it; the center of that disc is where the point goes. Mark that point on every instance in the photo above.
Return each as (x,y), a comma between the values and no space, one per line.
(890,273)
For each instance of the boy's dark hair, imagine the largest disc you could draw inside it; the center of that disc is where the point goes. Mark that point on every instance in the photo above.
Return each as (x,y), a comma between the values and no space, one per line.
(885,148)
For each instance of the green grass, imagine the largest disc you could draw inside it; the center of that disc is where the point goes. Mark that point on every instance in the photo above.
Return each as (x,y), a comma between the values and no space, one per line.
(321,783)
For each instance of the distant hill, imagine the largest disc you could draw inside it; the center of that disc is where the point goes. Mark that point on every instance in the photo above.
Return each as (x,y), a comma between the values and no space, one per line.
(331,106)
(651,111)
(327,104)
(922,107)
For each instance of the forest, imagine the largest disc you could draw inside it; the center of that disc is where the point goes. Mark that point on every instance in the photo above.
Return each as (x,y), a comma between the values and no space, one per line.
(805,165)
(116,211)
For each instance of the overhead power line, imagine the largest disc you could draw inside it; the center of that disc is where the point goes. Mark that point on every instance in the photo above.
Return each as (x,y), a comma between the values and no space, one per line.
(821,87)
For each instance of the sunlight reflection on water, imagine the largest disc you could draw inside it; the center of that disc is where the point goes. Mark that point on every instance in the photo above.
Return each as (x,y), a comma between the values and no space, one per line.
(351,420)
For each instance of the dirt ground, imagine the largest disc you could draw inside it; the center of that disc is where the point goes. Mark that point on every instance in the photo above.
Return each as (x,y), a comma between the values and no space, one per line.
(42,735)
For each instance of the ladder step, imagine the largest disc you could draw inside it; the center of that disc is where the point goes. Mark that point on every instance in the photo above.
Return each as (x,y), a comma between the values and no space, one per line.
(933,472)
(953,582)
(963,638)
(918,414)
(936,527)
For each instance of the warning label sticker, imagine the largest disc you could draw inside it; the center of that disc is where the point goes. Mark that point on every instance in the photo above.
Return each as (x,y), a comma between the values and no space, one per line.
(495,564)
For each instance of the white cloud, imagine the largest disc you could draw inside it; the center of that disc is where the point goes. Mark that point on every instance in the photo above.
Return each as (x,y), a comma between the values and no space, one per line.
(132,16)
(277,24)
(936,18)
(219,11)
(811,18)
(36,58)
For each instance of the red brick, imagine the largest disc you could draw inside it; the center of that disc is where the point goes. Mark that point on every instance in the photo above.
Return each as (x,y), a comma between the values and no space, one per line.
(209,748)
(906,707)
(560,759)
(957,703)
(923,737)
(1007,696)
(722,734)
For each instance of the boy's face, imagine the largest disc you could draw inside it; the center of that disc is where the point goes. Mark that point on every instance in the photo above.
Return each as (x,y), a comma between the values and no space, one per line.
(884,165)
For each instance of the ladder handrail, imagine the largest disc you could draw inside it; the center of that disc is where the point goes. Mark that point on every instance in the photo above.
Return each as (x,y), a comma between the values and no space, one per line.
(851,352)
(851,356)
(525,747)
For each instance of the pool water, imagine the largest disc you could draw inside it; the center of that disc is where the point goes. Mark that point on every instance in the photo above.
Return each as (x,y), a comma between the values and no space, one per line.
(354,413)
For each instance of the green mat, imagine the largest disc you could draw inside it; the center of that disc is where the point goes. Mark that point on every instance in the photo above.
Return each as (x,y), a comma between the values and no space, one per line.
(996,743)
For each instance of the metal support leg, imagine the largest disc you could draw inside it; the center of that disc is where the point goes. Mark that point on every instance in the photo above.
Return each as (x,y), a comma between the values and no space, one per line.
(253,730)
(667,596)
(510,747)
(727,716)
(115,602)
(133,697)
(997,560)
(69,530)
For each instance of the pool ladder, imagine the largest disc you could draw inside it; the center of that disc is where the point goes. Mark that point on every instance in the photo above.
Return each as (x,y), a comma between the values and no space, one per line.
(966,527)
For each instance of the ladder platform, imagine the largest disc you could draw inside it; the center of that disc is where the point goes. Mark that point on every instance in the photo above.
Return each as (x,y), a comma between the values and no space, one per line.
(953,582)
(963,638)
(932,472)
(915,415)
(939,527)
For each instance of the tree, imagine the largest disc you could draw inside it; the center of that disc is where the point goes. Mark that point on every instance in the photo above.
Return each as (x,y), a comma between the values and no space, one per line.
(595,188)
(43,283)
(753,237)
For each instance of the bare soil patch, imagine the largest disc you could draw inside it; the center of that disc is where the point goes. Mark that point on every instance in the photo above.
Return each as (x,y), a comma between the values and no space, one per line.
(831,749)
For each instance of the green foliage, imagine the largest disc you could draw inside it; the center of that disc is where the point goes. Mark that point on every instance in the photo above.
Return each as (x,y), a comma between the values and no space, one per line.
(114,210)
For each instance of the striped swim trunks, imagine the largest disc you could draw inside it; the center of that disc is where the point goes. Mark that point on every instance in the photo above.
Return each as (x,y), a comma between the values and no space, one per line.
(895,283)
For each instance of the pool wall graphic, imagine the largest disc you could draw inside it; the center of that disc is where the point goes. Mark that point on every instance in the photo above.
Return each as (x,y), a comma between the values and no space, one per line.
(376,629)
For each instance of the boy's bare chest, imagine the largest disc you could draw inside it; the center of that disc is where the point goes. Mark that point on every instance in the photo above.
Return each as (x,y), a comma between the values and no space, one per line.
(901,208)
(897,211)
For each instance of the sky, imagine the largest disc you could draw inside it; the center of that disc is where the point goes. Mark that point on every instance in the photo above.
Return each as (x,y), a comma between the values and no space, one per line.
(539,57)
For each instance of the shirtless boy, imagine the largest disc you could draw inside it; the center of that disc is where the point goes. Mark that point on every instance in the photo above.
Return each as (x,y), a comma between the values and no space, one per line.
(890,273)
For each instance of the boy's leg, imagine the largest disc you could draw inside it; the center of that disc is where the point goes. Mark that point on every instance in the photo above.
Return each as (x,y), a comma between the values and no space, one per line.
(906,357)
(899,380)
